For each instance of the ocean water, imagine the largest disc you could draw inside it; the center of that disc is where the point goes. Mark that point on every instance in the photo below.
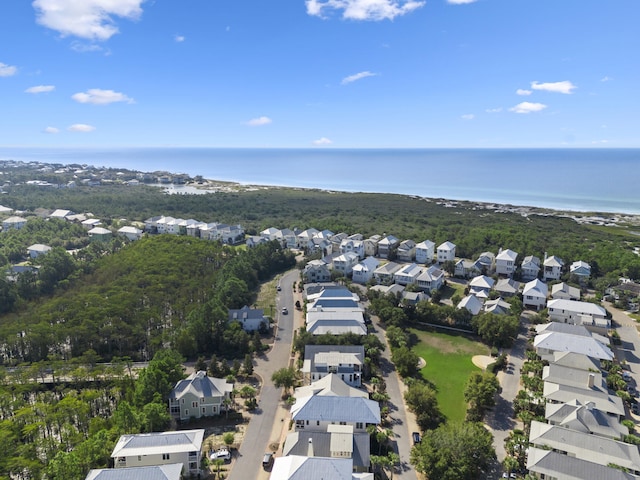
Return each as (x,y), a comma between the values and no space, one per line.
(593,180)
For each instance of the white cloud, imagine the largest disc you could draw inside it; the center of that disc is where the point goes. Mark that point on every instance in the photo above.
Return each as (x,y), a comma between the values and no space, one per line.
(90,19)
(87,47)
(322,141)
(528,107)
(81,127)
(565,87)
(40,89)
(494,110)
(363,9)
(51,130)
(97,96)
(522,91)
(468,116)
(460,2)
(7,70)
(356,77)
(179,38)
(259,121)
(606,79)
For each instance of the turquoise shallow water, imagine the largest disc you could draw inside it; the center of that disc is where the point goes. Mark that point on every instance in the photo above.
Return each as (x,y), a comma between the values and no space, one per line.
(604,180)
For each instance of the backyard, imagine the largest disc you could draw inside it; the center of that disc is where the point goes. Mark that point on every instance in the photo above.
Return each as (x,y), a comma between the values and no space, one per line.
(448,365)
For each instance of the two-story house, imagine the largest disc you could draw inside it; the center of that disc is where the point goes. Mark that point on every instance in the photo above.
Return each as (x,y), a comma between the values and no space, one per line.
(430,279)
(346,361)
(363,272)
(316,271)
(407,274)
(164,448)
(349,245)
(251,319)
(534,294)
(344,263)
(506,262)
(387,246)
(198,396)
(406,251)
(529,268)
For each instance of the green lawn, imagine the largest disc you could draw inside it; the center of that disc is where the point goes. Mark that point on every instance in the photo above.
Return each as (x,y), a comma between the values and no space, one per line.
(448,358)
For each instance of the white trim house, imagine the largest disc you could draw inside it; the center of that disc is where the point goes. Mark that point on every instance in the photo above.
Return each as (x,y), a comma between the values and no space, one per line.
(199,396)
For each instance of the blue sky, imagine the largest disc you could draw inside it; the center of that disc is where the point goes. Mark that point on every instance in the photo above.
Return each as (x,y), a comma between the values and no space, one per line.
(320,73)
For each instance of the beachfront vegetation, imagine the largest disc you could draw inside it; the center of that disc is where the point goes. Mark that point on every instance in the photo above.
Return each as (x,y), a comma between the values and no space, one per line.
(473,229)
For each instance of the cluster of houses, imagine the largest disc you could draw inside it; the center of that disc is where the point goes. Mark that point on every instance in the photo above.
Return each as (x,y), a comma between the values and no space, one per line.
(171,455)
(582,435)
(228,234)
(331,413)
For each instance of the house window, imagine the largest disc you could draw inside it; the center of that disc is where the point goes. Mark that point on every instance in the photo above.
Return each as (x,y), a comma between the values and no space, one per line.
(300,423)
(359,425)
(186,412)
(193,465)
(194,404)
(166,456)
(343,423)
(204,410)
(317,423)
(139,458)
(202,400)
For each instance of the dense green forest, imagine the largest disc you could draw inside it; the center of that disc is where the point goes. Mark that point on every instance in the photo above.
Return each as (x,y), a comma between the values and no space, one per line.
(159,291)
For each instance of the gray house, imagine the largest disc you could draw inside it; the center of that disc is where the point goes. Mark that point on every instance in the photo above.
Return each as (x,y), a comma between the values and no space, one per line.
(250,319)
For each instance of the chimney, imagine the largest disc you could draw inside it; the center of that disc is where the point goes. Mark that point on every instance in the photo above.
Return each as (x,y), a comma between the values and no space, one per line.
(592,379)
(545,257)
(310,448)
(590,405)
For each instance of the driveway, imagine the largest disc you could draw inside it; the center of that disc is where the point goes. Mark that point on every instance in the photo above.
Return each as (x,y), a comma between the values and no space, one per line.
(267,421)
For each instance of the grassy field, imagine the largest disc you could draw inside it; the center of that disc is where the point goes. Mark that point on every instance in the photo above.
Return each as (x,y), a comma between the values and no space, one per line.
(449,365)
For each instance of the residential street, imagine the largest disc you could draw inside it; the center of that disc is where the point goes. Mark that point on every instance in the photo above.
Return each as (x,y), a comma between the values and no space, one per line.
(264,426)
(403,421)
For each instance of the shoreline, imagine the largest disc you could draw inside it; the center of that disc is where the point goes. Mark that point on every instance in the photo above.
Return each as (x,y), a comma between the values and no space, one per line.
(598,218)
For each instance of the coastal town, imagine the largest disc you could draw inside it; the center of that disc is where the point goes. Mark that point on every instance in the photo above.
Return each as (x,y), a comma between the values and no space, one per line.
(330,395)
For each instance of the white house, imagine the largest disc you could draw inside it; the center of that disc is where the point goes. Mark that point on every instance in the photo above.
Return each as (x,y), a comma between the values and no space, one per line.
(530,267)
(466,268)
(565,291)
(446,252)
(471,303)
(100,234)
(574,312)
(384,273)
(425,252)
(345,361)
(251,319)
(165,448)
(13,223)
(387,245)
(507,287)
(406,251)
(363,272)
(430,279)
(157,472)
(506,262)
(60,213)
(90,223)
(408,274)
(548,342)
(317,271)
(480,286)
(336,321)
(552,268)
(38,249)
(132,233)
(354,246)
(497,307)
(298,467)
(344,263)
(270,233)
(199,396)
(304,237)
(486,261)
(317,412)
(534,294)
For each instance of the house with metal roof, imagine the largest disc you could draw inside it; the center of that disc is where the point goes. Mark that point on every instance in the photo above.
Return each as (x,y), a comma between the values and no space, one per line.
(534,294)
(551,464)
(346,361)
(251,319)
(507,287)
(530,267)
(329,385)
(564,291)
(297,467)
(198,396)
(584,446)
(590,315)
(471,303)
(585,418)
(446,251)
(552,268)
(164,448)
(157,472)
(425,252)
(317,412)
(506,262)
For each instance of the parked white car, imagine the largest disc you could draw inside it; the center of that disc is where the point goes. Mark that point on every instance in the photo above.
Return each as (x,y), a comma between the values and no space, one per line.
(223,453)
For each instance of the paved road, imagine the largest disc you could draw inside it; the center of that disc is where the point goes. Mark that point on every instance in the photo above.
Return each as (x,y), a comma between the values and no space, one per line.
(403,422)
(258,436)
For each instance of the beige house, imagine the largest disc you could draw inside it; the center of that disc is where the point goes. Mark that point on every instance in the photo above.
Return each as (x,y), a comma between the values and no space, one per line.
(199,396)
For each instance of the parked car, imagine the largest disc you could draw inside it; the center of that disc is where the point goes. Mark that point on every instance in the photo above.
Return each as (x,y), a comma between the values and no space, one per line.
(635,408)
(632,391)
(278,288)
(416,438)
(267,460)
(285,310)
(223,453)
